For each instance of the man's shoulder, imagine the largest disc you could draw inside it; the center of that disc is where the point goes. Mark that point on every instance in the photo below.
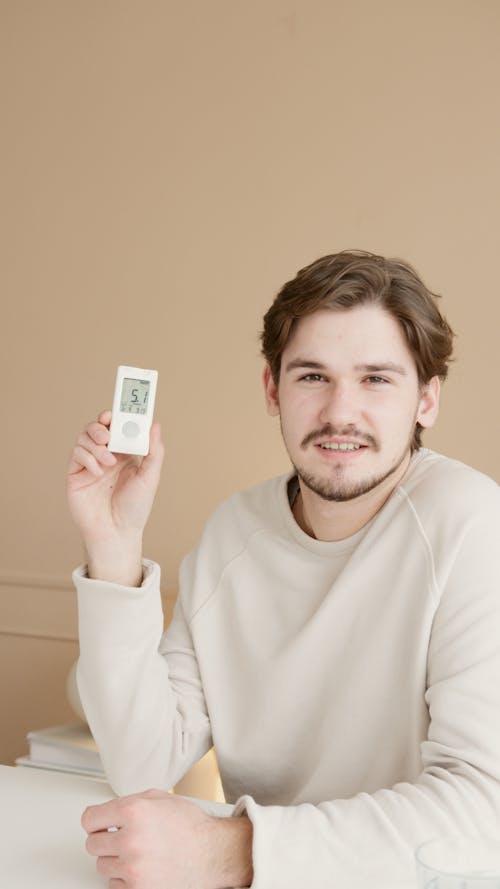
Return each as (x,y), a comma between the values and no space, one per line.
(233,524)
(449,485)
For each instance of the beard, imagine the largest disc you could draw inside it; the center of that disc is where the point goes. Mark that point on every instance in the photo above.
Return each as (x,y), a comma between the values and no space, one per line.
(338,487)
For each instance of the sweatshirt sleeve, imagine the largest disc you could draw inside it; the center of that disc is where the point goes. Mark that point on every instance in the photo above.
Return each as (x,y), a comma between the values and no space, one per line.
(141,690)
(370,839)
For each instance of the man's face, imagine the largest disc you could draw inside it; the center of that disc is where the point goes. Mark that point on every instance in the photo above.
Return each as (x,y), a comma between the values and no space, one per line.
(348,400)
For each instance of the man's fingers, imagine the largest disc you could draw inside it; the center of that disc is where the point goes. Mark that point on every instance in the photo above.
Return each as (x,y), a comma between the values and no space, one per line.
(103,842)
(98,432)
(90,450)
(151,465)
(155,443)
(103,816)
(83,459)
(99,451)
(108,866)
(105,417)
(110,816)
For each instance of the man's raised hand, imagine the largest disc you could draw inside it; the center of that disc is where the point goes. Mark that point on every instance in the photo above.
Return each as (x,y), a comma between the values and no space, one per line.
(110,498)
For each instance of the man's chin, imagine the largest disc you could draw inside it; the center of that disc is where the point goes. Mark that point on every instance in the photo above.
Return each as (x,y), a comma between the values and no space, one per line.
(340,490)
(337,493)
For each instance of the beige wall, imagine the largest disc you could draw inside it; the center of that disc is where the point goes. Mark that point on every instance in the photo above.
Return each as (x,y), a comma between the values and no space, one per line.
(166,166)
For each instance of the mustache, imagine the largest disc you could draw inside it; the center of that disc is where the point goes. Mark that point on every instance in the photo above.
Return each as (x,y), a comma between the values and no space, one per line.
(329,431)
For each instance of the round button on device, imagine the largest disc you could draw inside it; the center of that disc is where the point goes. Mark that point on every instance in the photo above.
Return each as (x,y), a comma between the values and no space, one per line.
(130,429)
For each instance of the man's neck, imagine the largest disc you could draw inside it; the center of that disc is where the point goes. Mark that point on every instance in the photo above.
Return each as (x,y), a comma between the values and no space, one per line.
(329,520)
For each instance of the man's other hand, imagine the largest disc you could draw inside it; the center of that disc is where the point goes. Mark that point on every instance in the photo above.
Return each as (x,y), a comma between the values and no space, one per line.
(155,840)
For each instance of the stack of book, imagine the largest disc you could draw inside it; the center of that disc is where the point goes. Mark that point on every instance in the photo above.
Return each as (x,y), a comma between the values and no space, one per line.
(64,748)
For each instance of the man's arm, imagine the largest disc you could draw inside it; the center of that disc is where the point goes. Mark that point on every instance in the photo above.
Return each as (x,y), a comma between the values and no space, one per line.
(147,712)
(149,719)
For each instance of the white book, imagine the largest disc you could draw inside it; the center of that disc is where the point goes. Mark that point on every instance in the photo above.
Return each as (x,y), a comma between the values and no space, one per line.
(65,746)
(47,766)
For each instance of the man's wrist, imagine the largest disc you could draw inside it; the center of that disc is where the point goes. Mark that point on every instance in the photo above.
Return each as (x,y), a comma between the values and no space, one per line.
(231,861)
(116,561)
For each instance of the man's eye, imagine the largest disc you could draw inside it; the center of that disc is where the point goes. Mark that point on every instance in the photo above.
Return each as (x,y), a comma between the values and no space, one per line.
(376,379)
(313,378)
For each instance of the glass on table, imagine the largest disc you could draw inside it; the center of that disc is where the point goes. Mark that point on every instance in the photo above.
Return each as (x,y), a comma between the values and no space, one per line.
(459,863)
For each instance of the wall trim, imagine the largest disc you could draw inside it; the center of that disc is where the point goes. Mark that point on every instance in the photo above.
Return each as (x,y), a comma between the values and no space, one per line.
(50,581)
(43,581)
(44,606)
(18,634)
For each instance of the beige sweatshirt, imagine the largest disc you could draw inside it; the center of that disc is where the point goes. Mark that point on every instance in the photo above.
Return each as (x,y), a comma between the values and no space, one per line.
(351,689)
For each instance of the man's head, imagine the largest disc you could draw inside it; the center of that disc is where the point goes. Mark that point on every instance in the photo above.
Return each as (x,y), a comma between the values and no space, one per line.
(348,280)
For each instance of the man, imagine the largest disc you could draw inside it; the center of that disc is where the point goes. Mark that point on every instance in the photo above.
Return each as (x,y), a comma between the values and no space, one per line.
(337,630)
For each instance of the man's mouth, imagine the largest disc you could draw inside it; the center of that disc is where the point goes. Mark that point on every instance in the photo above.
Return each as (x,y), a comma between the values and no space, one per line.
(340,440)
(340,446)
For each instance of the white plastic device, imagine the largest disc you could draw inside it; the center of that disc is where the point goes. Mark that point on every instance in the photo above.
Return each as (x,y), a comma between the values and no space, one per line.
(132,414)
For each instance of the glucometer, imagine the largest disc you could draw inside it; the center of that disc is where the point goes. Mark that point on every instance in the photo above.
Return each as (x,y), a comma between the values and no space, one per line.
(132,414)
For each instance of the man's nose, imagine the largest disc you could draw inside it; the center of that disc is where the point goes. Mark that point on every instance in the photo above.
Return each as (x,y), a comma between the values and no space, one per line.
(339,405)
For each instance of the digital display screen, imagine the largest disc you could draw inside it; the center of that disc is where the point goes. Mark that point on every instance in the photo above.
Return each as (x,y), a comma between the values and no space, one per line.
(134,397)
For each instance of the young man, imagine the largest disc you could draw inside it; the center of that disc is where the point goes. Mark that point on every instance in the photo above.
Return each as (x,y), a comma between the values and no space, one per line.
(337,631)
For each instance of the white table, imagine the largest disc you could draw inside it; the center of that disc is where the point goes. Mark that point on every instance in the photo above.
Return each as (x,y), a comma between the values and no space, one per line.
(42,843)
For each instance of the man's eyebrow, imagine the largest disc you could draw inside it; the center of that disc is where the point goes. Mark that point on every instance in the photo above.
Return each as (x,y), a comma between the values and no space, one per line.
(378,367)
(382,366)
(304,362)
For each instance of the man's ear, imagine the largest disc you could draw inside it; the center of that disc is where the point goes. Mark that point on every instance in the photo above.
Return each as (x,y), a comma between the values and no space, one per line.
(428,408)
(271,392)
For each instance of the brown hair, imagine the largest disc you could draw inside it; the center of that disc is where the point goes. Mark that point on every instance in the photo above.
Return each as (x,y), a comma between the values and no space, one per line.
(351,278)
